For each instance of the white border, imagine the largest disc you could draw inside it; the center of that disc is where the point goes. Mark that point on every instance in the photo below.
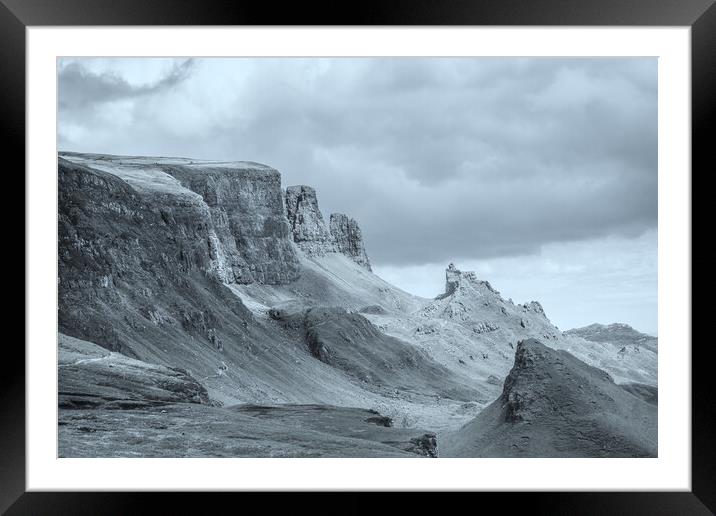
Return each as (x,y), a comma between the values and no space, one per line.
(671,470)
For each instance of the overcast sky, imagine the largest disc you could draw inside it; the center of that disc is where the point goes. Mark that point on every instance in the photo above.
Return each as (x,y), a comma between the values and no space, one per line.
(539,174)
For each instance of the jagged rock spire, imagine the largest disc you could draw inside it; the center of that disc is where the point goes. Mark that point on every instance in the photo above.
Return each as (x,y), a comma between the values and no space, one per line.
(307,225)
(311,234)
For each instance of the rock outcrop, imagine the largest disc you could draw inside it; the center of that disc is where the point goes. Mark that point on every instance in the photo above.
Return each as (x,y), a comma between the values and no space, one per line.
(349,239)
(452,279)
(555,405)
(313,236)
(308,228)
(534,307)
(455,278)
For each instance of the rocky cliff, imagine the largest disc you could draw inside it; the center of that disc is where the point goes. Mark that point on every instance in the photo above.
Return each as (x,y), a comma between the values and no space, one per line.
(313,236)
(349,239)
(306,221)
(226,219)
(249,236)
(136,266)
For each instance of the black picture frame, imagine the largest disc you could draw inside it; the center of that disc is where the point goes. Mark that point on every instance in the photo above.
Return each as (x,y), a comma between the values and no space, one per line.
(17,15)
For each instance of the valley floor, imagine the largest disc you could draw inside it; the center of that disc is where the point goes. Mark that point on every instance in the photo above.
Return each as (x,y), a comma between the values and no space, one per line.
(193,430)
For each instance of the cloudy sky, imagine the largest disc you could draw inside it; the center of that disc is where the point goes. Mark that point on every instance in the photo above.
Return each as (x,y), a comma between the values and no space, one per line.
(539,174)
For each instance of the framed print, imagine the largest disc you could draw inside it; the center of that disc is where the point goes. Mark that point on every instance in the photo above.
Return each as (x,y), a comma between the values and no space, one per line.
(278,251)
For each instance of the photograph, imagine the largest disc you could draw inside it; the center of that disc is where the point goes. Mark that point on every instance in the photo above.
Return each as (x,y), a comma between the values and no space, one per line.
(372,257)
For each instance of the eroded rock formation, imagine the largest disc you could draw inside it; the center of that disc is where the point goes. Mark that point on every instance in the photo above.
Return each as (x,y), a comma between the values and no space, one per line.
(349,239)
(313,236)
(308,228)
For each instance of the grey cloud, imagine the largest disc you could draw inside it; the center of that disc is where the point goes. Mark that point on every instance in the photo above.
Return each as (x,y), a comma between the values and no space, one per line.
(81,88)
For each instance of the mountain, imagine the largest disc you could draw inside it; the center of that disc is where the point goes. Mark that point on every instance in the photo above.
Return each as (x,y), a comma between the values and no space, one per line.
(554,405)
(207,277)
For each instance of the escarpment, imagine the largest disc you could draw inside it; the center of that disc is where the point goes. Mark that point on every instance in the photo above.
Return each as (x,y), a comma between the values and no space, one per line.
(136,267)
(249,237)
(146,246)
(230,215)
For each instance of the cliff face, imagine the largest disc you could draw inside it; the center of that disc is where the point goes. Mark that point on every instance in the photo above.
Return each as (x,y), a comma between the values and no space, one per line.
(229,215)
(249,238)
(349,239)
(136,266)
(313,237)
(306,221)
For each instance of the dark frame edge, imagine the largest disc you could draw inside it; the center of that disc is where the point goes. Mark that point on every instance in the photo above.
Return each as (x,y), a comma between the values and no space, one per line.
(12,381)
(703,113)
(370,12)
(702,498)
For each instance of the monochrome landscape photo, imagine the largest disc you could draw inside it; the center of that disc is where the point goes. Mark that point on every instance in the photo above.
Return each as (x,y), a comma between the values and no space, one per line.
(357,257)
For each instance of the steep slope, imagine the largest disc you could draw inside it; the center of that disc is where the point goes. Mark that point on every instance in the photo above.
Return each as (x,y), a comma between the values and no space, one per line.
(348,341)
(554,405)
(136,277)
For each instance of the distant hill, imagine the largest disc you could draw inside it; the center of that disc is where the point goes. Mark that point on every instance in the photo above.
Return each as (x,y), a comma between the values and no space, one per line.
(616,333)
